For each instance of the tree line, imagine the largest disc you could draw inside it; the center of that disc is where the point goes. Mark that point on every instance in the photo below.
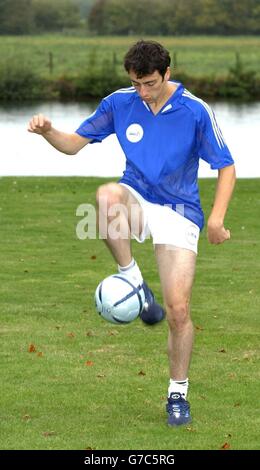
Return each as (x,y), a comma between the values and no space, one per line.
(175,17)
(131,17)
(37,16)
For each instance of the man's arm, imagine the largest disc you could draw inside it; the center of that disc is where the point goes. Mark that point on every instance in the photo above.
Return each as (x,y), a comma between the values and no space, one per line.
(69,144)
(225,185)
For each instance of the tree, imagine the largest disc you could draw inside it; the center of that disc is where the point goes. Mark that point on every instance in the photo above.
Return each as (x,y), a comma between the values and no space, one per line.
(16,17)
(154,17)
(55,16)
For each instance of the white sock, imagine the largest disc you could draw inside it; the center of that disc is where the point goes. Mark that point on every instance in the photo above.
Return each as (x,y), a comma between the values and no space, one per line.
(133,271)
(179,386)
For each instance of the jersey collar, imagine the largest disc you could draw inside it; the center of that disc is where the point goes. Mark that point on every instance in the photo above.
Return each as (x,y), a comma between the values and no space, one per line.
(169,105)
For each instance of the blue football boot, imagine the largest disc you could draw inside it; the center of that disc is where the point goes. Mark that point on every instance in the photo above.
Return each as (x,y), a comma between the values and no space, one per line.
(178,410)
(152,312)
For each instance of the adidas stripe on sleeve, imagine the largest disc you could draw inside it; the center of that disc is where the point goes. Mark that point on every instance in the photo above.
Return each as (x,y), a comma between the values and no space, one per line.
(211,144)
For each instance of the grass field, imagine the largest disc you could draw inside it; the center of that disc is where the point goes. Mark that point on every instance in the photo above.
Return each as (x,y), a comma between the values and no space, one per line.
(70,380)
(196,55)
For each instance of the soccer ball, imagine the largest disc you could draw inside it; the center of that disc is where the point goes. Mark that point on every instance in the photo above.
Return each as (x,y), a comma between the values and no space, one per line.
(118,300)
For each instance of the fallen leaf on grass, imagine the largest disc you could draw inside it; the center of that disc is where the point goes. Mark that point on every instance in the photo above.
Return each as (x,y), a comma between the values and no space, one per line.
(90,333)
(225,446)
(190,429)
(113,333)
(249,355)
(141,372)
(237,404)
(26,417)
(89,363)
(232,375)
(48,433)
(222,350)
(70,335)
(93,257)
(32,348)
(199,328)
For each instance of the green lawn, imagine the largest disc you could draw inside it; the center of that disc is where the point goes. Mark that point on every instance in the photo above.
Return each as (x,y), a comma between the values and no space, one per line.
(91,384)
(196,55)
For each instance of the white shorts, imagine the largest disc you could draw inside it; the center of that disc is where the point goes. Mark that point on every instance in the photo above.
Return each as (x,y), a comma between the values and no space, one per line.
(165,225)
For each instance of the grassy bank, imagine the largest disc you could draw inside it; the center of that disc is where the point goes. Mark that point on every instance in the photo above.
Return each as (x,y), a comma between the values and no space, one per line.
(75,67)
(72,381)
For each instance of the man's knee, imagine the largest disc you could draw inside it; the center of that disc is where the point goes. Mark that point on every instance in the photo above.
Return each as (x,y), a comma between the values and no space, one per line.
(109,194)
(178,314)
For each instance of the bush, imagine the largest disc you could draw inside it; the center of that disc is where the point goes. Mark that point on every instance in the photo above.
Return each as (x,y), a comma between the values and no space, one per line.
(19,83)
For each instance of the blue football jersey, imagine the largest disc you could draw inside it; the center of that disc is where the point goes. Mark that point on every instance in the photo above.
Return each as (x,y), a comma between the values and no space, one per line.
(163,150)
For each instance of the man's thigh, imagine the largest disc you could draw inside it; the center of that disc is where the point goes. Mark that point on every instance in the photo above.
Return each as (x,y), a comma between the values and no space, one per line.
(134,212)
(177,270)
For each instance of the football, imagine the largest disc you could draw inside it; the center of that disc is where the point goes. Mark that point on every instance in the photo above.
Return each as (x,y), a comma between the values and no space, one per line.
(118,300)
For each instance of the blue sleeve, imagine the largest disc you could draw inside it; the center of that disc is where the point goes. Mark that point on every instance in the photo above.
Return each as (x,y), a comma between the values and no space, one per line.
(212,146)
(99,124)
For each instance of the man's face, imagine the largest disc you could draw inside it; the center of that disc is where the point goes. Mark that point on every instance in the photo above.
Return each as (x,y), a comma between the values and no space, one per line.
(150,87)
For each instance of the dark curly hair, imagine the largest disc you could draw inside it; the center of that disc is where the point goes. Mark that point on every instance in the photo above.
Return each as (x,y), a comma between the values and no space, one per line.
(145,57)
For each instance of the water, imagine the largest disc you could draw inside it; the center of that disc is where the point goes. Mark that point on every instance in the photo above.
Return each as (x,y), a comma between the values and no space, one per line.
(25,154)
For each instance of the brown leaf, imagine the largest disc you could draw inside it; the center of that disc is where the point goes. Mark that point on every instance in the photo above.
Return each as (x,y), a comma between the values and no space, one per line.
(232,375)
(225,446)
(70,335)
(141,372)
(236,405)
(26,417)
(222,350)
(199,328)
(32,348)
(89,363)
(48,433)
(93,257)
(89,333)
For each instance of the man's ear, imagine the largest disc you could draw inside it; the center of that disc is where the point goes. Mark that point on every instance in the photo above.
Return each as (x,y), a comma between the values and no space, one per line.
(167,74)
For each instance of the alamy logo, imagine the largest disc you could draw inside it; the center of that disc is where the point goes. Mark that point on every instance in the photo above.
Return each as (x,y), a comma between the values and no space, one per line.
(134,133)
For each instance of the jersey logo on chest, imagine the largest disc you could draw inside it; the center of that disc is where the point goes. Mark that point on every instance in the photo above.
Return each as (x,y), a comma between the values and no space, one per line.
(134,133)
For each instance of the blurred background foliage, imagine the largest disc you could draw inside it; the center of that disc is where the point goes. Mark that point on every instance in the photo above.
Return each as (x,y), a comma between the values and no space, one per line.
(130,17)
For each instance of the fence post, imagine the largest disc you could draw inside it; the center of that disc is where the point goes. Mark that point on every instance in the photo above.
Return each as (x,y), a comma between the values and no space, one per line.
(175,60)
(50,64)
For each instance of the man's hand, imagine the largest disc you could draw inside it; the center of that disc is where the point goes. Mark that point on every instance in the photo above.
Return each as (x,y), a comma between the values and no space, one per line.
(39,124)
(66,143)
(216,232)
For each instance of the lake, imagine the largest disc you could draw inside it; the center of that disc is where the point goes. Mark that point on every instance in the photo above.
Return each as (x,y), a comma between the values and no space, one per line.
(25,154)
